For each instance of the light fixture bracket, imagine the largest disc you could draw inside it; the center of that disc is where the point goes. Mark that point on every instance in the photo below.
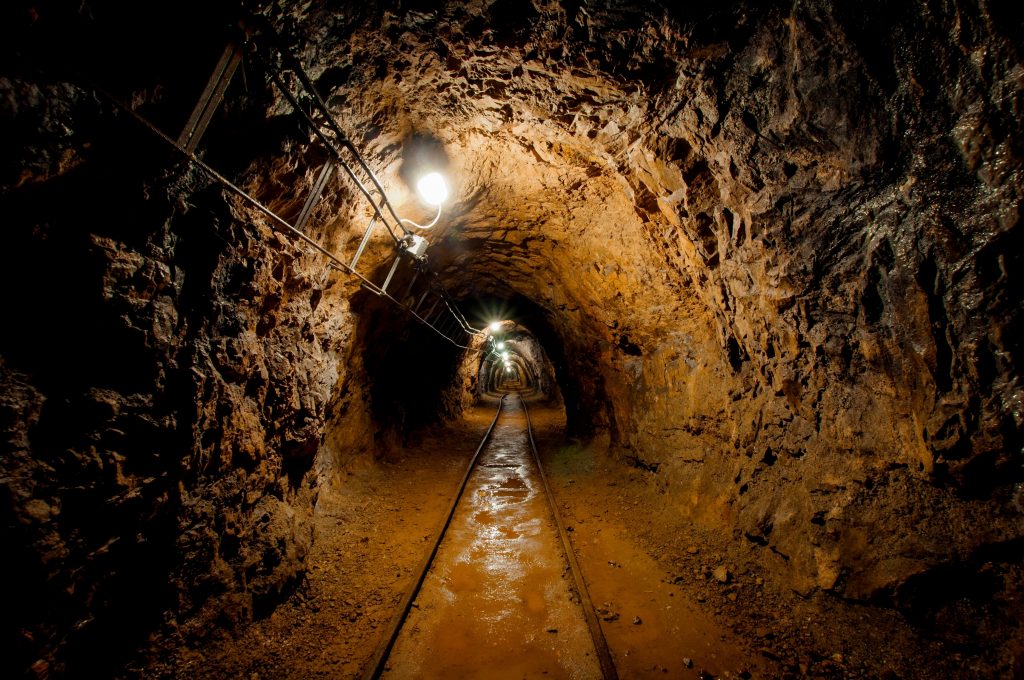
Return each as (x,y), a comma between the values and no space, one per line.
(416,246)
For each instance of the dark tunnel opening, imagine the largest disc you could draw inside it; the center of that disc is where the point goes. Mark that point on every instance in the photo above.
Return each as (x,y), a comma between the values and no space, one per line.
(515,360)
(582,417)
(413,372)
(419,378)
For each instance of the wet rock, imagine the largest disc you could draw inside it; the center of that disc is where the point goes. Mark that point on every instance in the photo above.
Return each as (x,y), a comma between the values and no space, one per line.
(607,613)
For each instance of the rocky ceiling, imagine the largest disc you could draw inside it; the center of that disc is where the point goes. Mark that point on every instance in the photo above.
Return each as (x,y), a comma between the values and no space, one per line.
(773,250)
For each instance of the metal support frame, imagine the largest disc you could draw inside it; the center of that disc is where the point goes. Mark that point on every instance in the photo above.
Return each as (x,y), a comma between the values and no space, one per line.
(423,297)
(344,155)
(408,289)
(314,195)
(394,267)
(211,98)
(362,244)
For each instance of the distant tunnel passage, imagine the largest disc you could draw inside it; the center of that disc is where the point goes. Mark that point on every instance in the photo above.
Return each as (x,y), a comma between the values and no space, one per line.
(514,360)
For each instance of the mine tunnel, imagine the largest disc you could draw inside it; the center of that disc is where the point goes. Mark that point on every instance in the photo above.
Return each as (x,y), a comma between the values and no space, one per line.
(512,338)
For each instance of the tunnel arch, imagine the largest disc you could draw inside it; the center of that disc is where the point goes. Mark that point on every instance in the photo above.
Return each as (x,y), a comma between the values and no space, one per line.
(527,360)
(576,381)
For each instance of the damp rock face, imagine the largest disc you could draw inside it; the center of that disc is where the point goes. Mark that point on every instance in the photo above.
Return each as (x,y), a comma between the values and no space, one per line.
(776,246)
(168,364)
(157,438)
(773,252)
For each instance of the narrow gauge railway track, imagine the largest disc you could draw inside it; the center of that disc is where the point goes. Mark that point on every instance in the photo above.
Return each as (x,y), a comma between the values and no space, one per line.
(509,495)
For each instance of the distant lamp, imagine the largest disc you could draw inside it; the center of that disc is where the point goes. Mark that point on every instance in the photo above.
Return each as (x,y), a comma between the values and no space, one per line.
(504,355)
(501,345)
(495,326)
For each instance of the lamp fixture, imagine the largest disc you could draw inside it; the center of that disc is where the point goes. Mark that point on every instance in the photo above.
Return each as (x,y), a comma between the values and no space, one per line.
(433,190)
(416,246)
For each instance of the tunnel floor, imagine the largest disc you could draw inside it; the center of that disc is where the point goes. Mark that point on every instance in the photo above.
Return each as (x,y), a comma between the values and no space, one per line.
(672,603)
(498,602)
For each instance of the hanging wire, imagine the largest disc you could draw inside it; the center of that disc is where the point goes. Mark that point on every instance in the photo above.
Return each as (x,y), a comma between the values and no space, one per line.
(379,206)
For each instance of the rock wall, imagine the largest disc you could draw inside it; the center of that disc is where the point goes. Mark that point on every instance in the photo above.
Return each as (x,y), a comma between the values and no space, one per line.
(775,243)
(771,249)
(168,363)
(844,208)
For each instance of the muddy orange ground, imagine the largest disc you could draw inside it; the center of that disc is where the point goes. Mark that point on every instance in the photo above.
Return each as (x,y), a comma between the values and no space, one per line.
(498,603)
(373,532)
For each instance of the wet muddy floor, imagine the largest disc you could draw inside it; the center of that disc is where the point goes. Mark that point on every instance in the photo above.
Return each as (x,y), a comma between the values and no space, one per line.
(498,601)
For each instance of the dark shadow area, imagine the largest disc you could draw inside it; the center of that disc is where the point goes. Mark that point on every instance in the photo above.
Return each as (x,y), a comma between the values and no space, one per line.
(409,367)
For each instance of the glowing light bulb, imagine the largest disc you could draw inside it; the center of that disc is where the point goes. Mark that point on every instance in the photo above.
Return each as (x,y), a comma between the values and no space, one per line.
(495,326)
(504,355)
(432,188)
(501,345)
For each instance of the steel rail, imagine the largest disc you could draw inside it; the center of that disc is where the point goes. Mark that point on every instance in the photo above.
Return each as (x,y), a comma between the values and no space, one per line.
(380,656)
(604,656)
(378,661)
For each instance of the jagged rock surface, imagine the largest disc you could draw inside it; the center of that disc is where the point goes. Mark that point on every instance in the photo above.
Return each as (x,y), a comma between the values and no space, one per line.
(773,251)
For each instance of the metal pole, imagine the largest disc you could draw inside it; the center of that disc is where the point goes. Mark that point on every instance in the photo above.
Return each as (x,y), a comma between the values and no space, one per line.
(362,244)
(398,258)
(211,98)
(314,196)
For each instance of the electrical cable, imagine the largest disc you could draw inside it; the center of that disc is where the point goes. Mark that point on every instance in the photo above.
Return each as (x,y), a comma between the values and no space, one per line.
(275,74)
(336,262)
(425,226)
